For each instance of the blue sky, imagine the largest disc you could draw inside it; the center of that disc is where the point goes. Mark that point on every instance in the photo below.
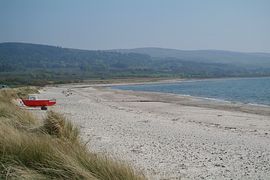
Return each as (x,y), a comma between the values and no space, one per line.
(238,25)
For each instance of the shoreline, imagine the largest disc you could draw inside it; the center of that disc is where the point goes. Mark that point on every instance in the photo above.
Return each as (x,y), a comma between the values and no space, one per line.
(168,136)
(205,101)
(217,100)
(189,100)
(177,80)
(141,81)
(194,101)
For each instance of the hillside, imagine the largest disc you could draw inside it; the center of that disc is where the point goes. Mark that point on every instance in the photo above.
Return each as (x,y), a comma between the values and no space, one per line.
(22,63)
(207,56)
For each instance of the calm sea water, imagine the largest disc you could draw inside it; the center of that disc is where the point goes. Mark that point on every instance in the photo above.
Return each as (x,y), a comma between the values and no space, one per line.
(245,90)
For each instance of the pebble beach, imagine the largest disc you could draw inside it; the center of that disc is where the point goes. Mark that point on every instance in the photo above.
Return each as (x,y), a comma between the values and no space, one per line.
(169,136)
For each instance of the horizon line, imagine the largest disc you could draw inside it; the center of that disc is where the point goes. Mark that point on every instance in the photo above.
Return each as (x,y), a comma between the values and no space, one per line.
(143,47)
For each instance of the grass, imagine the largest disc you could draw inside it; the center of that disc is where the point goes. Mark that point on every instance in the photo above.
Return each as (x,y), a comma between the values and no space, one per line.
(49,150)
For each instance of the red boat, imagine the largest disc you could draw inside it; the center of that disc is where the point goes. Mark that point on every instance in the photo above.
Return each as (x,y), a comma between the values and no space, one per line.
(32,101)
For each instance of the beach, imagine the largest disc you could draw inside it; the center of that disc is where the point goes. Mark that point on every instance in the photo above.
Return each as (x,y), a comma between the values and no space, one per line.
(170,136)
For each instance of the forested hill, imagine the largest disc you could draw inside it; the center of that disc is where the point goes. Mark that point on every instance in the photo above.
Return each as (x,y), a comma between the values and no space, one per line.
(207,56)
(22,63)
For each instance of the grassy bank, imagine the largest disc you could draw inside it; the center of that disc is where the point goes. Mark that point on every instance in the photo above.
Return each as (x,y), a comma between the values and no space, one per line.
(51,149)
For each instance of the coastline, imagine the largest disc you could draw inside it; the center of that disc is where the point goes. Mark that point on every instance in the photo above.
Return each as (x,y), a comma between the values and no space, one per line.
(170,136)
(204,102)
(240,104)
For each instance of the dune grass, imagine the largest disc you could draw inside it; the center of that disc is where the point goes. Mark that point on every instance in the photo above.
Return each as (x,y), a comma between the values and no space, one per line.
(49,150)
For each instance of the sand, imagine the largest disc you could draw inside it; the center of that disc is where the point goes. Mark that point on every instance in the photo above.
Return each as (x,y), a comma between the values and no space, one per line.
(170,136)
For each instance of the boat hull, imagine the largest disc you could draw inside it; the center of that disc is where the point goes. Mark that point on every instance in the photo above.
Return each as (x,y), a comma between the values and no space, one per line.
(38,103)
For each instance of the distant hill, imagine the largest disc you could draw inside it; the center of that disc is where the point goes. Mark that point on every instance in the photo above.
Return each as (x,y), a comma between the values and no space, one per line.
(207,56)
(23,63)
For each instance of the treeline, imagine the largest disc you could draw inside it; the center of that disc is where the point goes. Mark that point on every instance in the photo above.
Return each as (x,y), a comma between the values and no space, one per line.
(22,63)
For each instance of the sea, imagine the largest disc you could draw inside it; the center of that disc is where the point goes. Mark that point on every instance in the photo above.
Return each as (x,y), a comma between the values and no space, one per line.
(238,90)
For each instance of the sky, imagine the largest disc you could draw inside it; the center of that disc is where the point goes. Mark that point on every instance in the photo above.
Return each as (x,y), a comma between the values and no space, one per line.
(236,25)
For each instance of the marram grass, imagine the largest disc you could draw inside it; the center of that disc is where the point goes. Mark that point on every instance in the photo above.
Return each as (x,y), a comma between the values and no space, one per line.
(51,150)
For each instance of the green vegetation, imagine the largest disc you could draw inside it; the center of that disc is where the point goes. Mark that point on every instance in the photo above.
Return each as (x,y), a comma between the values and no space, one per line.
(248,60)
(31,149)
(33,64)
